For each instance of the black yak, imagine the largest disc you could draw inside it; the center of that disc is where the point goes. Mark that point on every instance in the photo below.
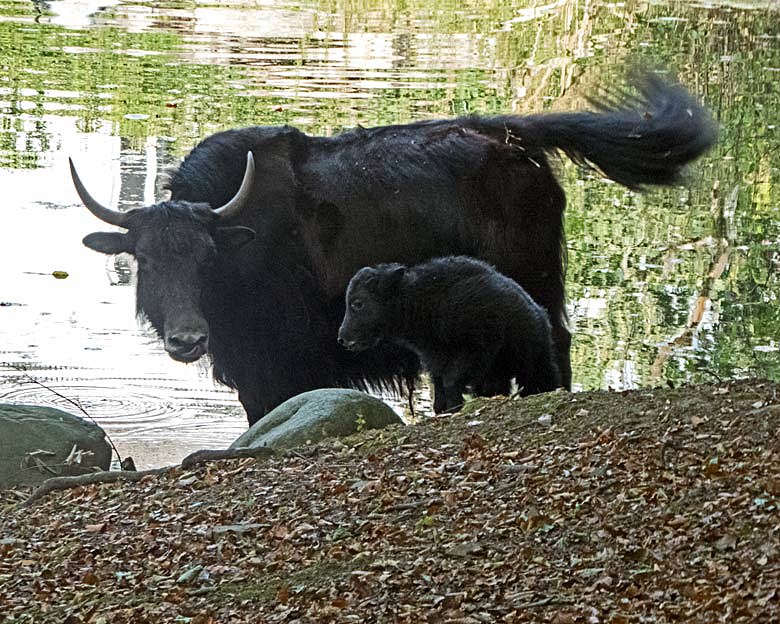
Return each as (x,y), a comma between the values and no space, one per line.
(471,326)
(249,262)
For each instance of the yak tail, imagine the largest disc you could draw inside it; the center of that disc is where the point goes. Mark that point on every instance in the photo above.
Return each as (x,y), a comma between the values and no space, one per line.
(639,139)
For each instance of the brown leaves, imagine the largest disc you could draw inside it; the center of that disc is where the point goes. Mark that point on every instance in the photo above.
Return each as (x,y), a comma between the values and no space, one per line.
(536,520)
(95,528)
(727,542)
(666,513)
(771,485)
(283,594)
(465,550)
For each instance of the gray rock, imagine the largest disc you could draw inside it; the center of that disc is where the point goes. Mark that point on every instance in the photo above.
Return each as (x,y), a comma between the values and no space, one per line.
(35,443)
(316,415)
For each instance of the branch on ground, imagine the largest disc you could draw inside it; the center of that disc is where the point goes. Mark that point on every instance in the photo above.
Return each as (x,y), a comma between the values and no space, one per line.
(105,476)
(111,476)
(206,455)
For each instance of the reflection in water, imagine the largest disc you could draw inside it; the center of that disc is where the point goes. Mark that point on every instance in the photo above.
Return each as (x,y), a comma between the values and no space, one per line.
(674,286)
(137,414)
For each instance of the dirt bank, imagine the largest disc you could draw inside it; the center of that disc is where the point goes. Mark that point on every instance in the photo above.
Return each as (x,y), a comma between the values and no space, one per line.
(644,506)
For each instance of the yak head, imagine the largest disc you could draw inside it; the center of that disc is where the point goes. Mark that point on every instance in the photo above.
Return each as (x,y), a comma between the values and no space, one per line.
(371,304)
(176,246)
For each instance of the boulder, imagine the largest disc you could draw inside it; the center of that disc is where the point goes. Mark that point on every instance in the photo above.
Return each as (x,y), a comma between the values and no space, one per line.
(36,442)
(316,415)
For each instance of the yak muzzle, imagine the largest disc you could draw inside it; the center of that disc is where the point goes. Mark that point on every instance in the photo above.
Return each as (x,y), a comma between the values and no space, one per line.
(355,344)
(187,346)
(348,344)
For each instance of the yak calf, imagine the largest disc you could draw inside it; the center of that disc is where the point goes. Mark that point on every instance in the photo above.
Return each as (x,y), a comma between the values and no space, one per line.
(470,325)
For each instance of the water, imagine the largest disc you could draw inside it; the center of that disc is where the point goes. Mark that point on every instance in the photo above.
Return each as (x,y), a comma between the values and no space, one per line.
(678,285)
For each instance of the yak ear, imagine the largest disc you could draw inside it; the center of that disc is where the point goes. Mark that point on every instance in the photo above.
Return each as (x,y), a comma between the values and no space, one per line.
(367,276)
(395,275)
(234,237)
(108,242)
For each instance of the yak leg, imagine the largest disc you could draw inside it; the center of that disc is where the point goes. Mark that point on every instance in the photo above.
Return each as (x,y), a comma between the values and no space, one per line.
(439,399)
(495,385)
(447,394)
(562,345)
(254,407)
(453,396)
(258,401)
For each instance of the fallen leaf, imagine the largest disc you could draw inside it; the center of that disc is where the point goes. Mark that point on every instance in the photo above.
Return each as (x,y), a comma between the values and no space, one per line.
(189,575)
(465,550)
(728,541)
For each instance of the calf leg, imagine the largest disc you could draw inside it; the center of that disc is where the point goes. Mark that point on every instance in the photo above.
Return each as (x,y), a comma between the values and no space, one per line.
(498,381)
(539,375)
(462,371)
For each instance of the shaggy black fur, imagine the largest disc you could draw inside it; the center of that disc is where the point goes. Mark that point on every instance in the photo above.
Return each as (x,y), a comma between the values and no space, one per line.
(267,310)
(470,326)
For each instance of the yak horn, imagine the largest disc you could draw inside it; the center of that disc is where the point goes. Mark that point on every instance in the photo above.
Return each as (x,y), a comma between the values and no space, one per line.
(234,206)
(114,217)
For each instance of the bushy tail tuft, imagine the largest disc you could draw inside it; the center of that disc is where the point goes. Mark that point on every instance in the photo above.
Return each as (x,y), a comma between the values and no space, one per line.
(636,140)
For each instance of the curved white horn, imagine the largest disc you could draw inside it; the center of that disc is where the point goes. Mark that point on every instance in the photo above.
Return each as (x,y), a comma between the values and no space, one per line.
(234,206)
(114,217)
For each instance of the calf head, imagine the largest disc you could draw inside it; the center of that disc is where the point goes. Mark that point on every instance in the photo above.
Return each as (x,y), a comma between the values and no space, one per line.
(370,306)
(176,246)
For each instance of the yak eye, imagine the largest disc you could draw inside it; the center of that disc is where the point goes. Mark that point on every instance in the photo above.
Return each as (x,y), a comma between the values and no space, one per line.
(356,304)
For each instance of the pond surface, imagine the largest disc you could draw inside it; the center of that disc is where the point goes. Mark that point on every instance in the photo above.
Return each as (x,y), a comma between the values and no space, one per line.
(677,285)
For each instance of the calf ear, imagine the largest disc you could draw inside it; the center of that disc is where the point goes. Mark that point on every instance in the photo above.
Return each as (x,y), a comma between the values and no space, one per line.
(108,242)
(234,237)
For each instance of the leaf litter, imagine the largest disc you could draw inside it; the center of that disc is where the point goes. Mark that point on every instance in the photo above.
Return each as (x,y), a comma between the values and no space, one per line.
(644,506)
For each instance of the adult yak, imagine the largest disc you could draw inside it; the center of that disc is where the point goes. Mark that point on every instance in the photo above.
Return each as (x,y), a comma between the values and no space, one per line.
(255,277)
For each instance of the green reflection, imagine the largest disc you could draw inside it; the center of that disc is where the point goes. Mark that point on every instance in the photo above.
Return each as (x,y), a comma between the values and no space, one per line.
(679,284)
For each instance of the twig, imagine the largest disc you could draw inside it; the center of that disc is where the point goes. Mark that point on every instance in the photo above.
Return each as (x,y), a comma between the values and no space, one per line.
(543,602)
(105,476)
(316,461)
(207,455)
(413,505)
(535,603)
(111,476)
(711,373)
(702,607)
(50,468)
(76,404)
